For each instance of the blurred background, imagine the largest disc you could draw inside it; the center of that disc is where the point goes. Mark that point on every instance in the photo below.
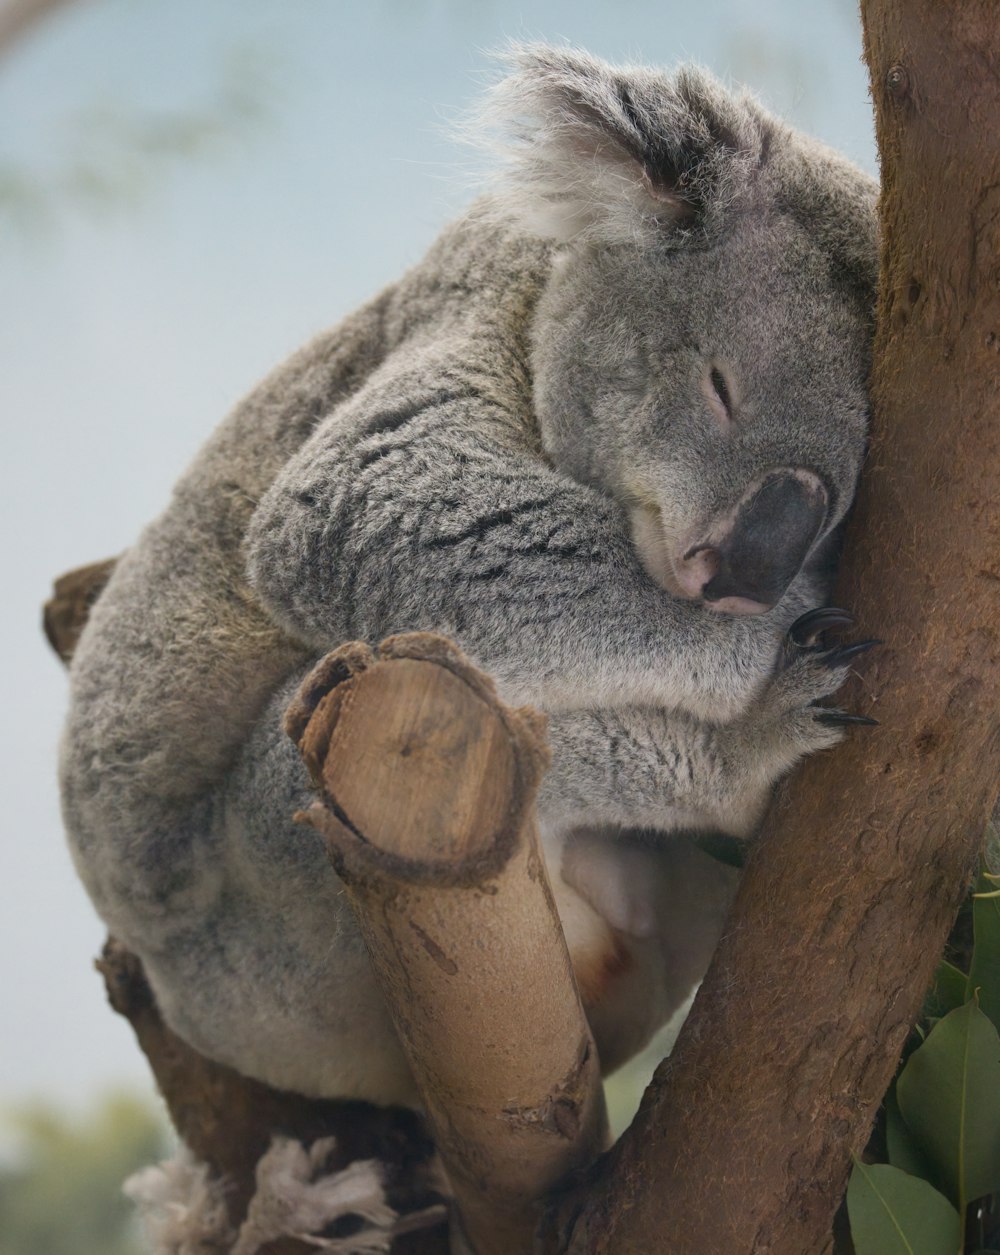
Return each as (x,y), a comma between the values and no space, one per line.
(187,192)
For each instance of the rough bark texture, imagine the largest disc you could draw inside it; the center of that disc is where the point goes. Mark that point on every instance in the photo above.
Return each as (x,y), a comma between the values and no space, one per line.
(743,1139)
(427,786)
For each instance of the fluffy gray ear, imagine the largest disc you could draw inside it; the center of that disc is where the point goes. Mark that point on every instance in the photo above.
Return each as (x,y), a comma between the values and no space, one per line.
(594,151)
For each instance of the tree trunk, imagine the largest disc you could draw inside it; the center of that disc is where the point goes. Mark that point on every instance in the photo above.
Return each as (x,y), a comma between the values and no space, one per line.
(743,1139)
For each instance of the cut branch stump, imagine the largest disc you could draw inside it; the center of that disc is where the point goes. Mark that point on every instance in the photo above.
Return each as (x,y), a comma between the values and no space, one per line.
(427,784)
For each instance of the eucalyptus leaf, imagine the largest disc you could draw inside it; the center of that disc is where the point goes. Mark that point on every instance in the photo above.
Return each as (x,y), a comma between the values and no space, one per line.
(892,1213)
(949,1094)
(984,971)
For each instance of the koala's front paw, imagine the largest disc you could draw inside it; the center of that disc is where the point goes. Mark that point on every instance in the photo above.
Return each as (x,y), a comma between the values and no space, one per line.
(787,716)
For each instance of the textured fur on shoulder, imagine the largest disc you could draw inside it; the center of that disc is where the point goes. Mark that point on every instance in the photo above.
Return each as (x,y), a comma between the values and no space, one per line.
(589,151)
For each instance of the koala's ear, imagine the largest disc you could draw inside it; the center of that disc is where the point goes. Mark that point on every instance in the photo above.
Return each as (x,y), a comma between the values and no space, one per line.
(593,151)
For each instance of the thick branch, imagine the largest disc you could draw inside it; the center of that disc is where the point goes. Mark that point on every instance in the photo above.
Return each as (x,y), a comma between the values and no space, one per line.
(742,1141)
(427,787)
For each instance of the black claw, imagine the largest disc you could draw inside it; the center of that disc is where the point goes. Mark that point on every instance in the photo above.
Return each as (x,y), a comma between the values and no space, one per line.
(841,716)
(808,626)
(843,653)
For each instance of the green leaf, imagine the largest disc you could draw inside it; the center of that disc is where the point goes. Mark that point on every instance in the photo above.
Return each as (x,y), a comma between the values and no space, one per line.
(892,1213)
(949,1094)
(948,991)
(984,971)
(902,1149)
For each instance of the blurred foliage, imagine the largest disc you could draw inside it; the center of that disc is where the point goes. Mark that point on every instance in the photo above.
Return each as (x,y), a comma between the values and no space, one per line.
(61,1177)
(112,157)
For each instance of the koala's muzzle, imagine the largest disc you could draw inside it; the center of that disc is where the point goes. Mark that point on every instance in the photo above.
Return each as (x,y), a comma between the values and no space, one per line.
(773,528)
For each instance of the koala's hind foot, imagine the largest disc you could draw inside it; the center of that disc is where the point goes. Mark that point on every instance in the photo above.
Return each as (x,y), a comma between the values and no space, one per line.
(787,723)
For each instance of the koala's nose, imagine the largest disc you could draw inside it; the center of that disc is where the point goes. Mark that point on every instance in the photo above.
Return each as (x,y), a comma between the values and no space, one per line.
(773,528)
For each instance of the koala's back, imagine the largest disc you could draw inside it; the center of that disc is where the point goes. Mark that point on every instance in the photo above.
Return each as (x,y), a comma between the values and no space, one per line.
(178,783)
(180,657)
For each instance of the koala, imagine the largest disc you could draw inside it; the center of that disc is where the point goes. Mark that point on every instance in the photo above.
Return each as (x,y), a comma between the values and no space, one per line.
(603,436)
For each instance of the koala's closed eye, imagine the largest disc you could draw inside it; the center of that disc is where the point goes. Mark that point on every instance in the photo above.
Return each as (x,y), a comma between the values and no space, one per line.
(722,392)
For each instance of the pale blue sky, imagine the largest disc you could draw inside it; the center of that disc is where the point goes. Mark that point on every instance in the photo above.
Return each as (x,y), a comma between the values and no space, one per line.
(126,335)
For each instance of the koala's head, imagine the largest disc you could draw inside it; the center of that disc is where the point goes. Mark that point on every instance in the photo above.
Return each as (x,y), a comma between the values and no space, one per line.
(702,350)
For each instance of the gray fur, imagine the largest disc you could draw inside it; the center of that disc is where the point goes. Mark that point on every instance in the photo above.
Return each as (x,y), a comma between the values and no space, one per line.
(510,446)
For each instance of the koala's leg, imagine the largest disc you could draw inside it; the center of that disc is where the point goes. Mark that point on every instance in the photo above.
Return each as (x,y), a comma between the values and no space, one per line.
(648,768)
(429,507)
(642,913)
(270,975)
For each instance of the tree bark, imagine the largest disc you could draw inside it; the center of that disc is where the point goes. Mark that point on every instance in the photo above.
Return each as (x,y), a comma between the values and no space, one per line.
(427,786)
(743,1139)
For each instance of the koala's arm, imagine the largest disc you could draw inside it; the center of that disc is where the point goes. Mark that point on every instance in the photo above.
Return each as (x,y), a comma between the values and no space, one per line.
(639,767)
(664,769)
(426,503)
(443,523)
